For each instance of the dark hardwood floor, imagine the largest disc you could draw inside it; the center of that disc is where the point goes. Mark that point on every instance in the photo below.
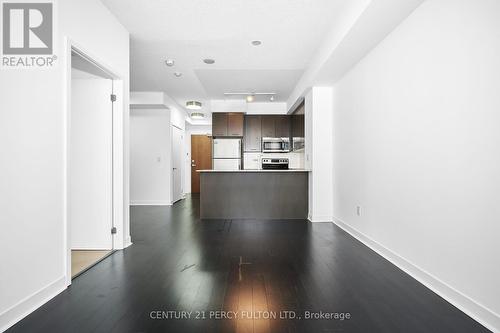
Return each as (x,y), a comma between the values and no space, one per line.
(179,263)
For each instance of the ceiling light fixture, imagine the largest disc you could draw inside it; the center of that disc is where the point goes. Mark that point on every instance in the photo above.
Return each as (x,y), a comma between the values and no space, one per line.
(271,98)
(197,115)
(169,62)
(178,74)
(256,42)
(250,98)
(193,105)
(209,61)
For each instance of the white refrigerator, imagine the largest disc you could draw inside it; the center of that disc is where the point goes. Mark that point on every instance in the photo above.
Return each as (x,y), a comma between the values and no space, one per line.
(227,154)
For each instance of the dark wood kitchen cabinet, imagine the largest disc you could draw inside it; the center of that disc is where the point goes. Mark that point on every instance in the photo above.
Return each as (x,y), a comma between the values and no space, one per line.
(282,125)
(268,127)
(219,124)
(227,124)
(253,133)
(235,124)
(276,126)
(298,126)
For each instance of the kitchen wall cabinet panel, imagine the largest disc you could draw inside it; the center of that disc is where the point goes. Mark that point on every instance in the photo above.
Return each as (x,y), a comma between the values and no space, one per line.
(235,124)
(298,126)
(253,133)
(219,124)
(268,127)
(282,125)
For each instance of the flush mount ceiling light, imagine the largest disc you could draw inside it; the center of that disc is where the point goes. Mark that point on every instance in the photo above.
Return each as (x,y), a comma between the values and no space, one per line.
(169,62)
(209,61)
(178,74)
(193,105)
(197,115)
(250,98)
(256,42)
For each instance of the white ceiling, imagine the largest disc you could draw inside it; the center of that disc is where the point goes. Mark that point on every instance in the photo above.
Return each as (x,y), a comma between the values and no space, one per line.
(191,30)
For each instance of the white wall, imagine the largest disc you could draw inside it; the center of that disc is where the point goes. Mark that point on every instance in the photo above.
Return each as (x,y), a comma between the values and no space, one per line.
(178,118)
(32,168)
(90,174)
(191,130)
(240,105)
(416,145)
(150,153)
(318,156)
(266,108)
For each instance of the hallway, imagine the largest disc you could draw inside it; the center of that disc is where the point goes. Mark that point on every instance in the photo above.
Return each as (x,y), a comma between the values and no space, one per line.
(179,263)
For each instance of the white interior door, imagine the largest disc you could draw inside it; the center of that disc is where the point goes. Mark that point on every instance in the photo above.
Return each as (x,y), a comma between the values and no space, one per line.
(177,154)
(90,164)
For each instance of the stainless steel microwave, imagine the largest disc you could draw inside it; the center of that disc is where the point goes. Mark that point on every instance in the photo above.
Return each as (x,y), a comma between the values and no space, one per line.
(275,145)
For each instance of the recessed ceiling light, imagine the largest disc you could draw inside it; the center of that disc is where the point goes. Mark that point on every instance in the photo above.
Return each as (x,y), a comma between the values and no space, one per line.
(193,105)
(178,74)
(250,98)
(209,61)
(197,115)
(169,62)
(256,42)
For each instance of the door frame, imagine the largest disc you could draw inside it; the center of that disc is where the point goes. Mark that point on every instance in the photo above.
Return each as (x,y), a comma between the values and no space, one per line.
(118,144)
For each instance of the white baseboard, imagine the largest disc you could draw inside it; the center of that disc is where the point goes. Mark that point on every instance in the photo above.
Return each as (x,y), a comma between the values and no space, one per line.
(31,303)
(150,203)
(90,248)
(470,307)
(319,218)
(128,242)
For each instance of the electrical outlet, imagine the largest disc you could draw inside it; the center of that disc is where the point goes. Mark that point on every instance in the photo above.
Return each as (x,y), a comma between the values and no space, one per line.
(358,210)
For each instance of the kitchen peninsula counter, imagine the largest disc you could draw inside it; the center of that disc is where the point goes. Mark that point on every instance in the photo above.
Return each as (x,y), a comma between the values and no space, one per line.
(258,171)
(254,194)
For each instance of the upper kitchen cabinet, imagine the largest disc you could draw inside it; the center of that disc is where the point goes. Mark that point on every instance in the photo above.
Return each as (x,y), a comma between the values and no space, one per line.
(268,127)
(219,124)
(235,124)
(253,133)
(298,126)
(276,126)
(227,124)
(282,124)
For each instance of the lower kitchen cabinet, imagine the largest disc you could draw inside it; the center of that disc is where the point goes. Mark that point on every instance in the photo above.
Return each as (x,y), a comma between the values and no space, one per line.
(252,161)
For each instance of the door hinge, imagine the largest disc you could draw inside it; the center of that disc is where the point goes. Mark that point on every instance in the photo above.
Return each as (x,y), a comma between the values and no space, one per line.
(113,230)
(113,98)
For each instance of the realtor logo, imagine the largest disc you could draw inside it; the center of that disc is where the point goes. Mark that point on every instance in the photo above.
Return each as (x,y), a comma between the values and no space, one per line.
(28,34)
